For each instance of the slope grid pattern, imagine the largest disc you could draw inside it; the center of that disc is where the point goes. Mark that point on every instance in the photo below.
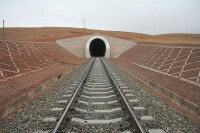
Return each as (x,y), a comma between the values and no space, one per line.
(183,62)
(17,57)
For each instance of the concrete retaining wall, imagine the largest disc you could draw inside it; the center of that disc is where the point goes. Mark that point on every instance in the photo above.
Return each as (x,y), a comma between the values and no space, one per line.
(77,45)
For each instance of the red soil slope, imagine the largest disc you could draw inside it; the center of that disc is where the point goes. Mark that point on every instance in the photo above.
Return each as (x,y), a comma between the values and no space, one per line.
(55,33)
(17,57)
(26,65)
(174,68)
(183,62)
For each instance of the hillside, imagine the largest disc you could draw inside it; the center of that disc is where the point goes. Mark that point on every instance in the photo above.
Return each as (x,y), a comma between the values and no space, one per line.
(54,33)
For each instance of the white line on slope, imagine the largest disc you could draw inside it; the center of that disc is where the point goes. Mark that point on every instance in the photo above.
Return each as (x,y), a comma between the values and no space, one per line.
(186,62)
(174,60)
(183,79)
(165,59)
(12,57)
(18,48)
(25,48)
(1,73)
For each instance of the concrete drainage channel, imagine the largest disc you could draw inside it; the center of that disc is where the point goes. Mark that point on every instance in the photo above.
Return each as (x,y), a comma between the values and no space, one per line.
(97,102)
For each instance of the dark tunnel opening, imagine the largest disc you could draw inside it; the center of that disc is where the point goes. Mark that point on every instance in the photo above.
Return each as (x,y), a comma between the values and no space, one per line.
(97,48)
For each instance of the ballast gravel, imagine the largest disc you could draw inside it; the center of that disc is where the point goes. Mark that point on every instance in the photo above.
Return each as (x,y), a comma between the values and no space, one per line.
(166,117)
(29,118)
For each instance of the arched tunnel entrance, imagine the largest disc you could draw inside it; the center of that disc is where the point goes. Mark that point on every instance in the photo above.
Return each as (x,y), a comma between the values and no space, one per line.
(97,48)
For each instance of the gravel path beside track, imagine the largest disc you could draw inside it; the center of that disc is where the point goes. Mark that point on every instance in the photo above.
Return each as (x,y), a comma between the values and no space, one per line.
(29,118)
(166,117)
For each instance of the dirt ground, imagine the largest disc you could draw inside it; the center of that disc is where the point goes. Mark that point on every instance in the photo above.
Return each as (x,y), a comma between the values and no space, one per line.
(52,34)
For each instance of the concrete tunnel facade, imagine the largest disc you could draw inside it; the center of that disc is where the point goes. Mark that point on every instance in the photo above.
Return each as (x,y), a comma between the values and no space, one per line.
(97,46)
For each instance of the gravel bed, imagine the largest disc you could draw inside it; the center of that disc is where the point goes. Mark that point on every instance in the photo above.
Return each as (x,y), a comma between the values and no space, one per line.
(111,128)
(97,72)
(166,117)
(29,118)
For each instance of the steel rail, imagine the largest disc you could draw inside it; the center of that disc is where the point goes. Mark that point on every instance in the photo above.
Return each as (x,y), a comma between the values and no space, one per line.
(134,120)
(72,101)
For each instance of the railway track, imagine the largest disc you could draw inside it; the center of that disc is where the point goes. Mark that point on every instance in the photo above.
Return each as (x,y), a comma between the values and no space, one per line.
(98,101)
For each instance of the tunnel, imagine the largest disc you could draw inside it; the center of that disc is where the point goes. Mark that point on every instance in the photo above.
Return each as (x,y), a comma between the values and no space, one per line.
(97,48)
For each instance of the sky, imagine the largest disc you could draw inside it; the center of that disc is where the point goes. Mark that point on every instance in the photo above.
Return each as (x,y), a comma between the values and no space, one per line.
(141,16)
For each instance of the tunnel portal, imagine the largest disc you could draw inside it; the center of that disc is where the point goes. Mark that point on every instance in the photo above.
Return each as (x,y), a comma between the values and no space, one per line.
(97,48)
